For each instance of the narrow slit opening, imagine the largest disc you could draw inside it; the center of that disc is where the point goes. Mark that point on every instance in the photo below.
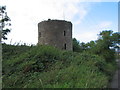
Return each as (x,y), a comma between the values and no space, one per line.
(64,33)
(65,46)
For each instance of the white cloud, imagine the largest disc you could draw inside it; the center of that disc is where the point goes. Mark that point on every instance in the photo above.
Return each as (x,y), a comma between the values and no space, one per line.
(83,10)
(26,14)
(105,25)
(86,34)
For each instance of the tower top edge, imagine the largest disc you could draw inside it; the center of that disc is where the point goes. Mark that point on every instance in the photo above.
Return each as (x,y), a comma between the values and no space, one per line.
(54,20)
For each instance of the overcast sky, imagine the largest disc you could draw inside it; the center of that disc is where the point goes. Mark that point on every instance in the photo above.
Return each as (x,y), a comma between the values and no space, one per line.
(88,18)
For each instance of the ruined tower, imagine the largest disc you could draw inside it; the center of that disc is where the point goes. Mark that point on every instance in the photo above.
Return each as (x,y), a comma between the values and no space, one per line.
(57,33)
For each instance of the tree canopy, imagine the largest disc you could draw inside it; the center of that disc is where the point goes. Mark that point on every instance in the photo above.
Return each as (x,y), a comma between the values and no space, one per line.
(102,46)
(4,23)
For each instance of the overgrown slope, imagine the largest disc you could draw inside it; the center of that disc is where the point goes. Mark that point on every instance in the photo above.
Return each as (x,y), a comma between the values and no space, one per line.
(48,67)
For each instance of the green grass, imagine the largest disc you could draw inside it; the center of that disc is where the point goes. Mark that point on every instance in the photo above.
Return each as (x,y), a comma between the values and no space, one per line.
(48,67)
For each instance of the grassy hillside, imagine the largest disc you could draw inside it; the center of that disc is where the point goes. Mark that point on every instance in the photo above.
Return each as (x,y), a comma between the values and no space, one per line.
(48,67)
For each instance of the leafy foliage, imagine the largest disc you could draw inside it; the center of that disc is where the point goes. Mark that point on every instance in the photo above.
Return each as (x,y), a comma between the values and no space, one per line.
(76,46)
(48,67)
(4,21)
(91,65)
(102,46)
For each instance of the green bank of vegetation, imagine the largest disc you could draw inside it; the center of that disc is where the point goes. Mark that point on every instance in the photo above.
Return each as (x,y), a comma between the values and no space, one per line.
(90,65)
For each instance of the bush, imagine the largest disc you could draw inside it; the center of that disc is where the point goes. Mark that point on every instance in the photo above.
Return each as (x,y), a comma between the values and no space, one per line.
(48,67)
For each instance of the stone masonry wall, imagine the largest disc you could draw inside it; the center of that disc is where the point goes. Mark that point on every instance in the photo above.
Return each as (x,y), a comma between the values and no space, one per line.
(56,33)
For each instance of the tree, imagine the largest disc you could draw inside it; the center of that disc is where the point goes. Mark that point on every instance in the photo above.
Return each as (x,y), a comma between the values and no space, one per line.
(115,39)
(103,45)
(4,23)
(76,46)
(111,39)
(90,44)
(83,46)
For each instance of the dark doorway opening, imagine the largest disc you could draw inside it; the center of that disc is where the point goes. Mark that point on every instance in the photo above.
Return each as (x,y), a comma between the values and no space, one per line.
(65,46)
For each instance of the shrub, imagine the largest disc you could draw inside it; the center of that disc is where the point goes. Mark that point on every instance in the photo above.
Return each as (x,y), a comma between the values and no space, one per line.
(48,67)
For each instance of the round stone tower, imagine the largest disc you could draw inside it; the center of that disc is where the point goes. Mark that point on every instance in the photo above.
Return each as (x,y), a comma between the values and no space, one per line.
(57,33)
